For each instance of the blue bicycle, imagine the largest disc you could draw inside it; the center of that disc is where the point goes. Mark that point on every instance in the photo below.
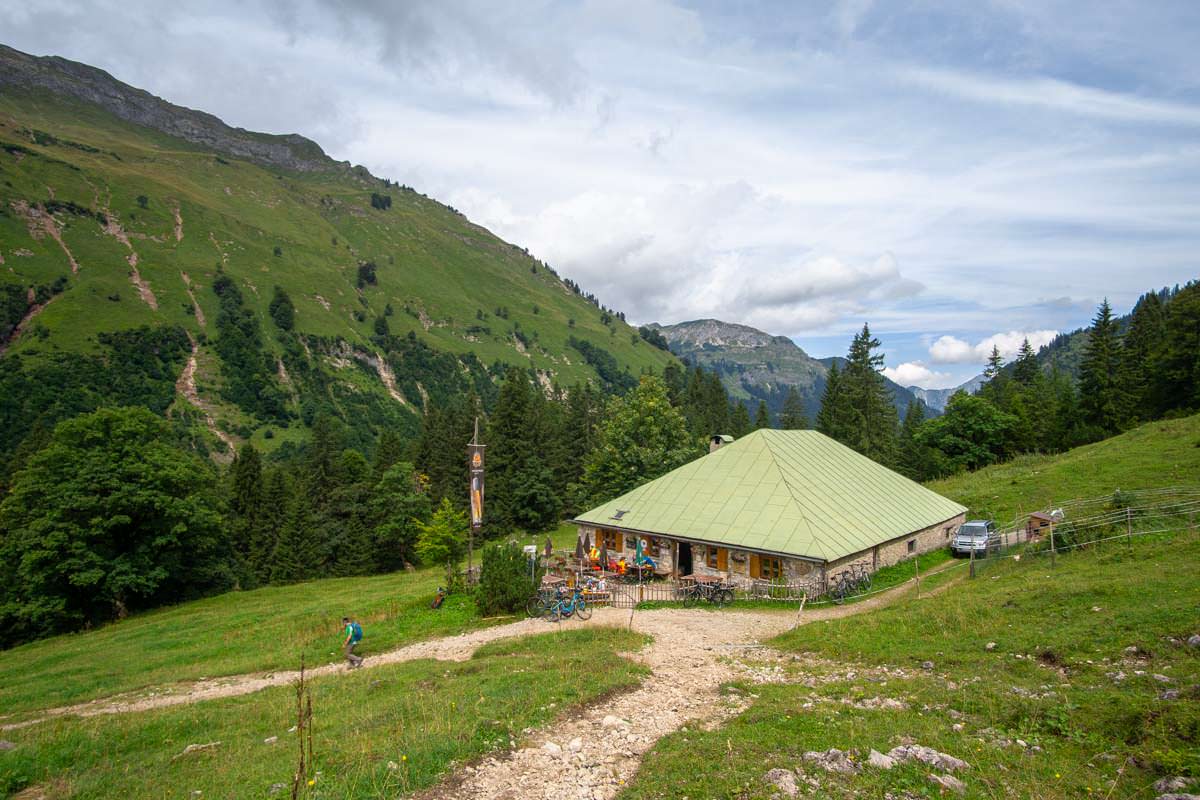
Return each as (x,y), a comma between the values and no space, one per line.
(565,605)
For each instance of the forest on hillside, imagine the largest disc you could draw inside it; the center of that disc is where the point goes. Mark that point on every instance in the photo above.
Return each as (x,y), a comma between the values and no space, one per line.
(110,508)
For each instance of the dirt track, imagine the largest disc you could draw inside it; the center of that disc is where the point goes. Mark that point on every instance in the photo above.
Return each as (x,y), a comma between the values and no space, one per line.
(681,637)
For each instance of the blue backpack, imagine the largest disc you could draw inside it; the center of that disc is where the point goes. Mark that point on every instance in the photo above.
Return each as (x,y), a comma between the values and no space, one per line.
(355,632)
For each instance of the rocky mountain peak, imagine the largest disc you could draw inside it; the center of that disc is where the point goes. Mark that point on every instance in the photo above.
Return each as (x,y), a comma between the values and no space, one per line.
(716,333)
(89,84)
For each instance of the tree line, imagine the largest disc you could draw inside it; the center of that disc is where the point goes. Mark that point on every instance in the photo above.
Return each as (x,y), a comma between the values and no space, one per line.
(1144,370)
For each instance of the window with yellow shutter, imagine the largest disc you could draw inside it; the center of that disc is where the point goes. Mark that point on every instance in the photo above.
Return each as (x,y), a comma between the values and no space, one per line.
(717,558)
(770,568)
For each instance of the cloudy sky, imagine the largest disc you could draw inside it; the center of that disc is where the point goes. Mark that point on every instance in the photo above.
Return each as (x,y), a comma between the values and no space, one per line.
(955,174)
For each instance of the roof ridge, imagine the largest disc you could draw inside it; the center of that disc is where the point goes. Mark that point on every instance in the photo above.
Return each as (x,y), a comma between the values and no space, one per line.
(790,489)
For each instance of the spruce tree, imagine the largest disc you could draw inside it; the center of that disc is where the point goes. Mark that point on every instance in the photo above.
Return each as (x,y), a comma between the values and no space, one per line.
(510,449)
(830,419)
(1025,369)
(995,390)
(1141,348)
(871,418)
(1178,366)
(739,420)
(914,459)
(245,504)
(792,417)
(276,500)
(762,418)
(389,450)
(1098,399)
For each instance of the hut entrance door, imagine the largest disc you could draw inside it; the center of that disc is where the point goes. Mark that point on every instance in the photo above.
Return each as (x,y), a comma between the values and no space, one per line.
(684,567)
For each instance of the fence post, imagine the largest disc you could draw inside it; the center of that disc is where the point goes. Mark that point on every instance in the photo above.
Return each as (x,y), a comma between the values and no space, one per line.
(972,562)
(1053,554)
(1129,526)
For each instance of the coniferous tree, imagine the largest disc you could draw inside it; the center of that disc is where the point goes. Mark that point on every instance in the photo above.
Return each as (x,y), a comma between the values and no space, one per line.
(1064,431)
(276,500)
(914,459)
(1098,401)
(351,551)
(762,417)
(245,502)
(872,422)
(389,451)
(739,420)
(995,390)
(1141,348)
(831,417)
(1025,368)
(792,417)
(510,451)
(1177,368)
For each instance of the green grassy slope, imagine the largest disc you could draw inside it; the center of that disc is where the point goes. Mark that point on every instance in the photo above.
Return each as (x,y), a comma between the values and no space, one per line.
(234,633)
(444,277)
(382,732)
(1156,454)
(1058,708)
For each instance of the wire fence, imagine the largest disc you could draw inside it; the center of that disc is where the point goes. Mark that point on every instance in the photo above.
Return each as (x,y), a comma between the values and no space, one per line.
(1075,524)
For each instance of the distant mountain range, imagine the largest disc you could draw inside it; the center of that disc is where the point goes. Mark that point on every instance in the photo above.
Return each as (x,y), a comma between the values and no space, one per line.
(937,399)
(755,365)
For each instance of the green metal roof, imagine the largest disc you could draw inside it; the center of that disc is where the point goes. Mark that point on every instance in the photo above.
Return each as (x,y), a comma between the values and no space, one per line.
(797,493)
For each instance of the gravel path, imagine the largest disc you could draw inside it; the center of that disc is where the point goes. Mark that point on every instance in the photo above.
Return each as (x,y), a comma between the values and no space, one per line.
(594,754)
(693,652)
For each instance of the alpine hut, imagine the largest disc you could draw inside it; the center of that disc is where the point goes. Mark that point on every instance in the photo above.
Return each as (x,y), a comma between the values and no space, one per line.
(793,506)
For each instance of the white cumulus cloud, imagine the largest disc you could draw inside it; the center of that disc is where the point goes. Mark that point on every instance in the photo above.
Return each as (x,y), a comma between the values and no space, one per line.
(915,373)
(952,350)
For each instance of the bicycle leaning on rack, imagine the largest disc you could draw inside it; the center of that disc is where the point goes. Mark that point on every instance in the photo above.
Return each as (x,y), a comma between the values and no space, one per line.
(719,594)
(566,604)
(854,581)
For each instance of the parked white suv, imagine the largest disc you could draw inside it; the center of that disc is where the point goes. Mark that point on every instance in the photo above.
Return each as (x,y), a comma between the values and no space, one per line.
(979,536)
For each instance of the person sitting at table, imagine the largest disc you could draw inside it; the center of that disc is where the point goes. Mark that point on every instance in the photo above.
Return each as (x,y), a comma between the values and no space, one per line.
(621,566)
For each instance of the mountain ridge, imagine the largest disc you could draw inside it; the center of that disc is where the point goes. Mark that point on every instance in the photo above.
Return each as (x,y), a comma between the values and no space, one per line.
(282,294)
(94,85)
(755,365)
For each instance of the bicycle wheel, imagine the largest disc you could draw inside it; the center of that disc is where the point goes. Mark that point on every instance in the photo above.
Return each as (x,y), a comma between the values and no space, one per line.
(837,593)
(534,607)
(690,597)
(551,612)
(583,610)
(724,597)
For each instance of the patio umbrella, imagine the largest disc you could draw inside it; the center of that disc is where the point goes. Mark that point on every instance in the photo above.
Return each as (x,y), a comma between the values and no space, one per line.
(604,556)
(637,552)
(549,547)
(587,543)
(580,548)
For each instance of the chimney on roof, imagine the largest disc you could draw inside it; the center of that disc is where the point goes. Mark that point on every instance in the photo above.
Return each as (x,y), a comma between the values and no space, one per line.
(717,441)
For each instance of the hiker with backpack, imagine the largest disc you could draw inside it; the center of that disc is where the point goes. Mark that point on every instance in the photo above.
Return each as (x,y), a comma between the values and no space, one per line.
(354,635)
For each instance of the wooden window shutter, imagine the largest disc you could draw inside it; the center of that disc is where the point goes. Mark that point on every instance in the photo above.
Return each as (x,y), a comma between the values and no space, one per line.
(722,559)
(755,566)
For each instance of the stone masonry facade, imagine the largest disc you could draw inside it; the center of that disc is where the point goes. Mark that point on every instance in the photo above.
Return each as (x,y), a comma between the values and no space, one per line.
(737,563)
